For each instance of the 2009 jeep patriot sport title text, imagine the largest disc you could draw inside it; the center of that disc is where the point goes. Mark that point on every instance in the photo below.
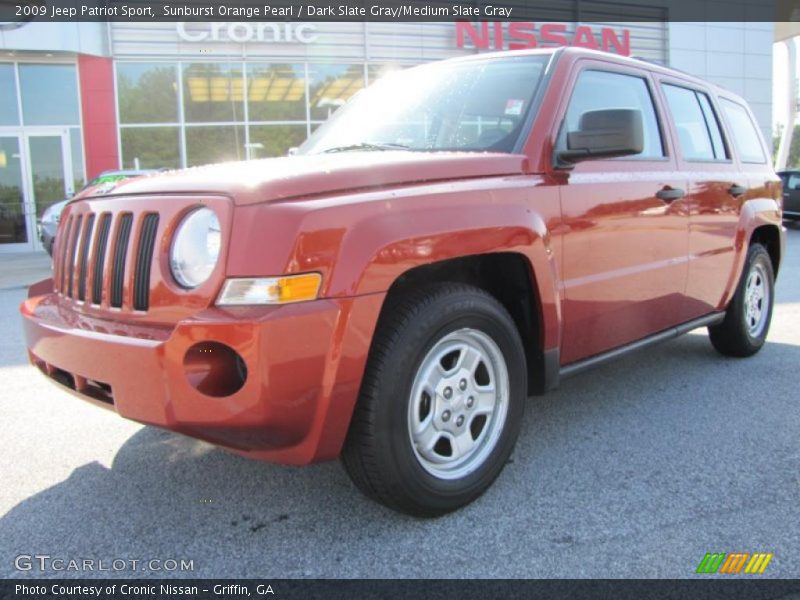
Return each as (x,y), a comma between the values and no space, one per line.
(458,236)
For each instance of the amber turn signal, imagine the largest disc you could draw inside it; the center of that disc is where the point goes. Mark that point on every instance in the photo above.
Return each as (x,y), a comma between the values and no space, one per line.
(270,290)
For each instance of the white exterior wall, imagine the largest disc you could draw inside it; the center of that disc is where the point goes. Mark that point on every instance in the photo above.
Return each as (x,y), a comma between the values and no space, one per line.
(402,43)
(72,37)
(736,56)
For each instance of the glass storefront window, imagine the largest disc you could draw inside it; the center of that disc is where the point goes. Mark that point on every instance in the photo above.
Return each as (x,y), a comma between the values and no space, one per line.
(276,92)
(213,92)
(76,148)
(275,140)
(9,115)
(331,86)
(12,216)
(276,103)
(150,147)
(49,94)
(148,92)
(47,170)
(214,144)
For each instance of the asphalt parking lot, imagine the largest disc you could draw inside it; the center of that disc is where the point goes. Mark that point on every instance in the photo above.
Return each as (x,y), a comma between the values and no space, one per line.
(636,469)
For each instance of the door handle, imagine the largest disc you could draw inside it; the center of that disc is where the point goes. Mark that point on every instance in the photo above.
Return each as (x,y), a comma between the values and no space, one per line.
(737,190)
(669,194)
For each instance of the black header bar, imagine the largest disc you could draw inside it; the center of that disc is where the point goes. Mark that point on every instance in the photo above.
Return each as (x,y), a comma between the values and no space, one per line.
(206,589)
(19,11)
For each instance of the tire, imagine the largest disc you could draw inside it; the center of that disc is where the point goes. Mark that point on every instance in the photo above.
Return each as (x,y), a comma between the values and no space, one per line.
(744,330)
(415,395)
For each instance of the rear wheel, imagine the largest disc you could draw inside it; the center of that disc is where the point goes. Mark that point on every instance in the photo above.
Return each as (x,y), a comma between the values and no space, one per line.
(441,403)
(746,324)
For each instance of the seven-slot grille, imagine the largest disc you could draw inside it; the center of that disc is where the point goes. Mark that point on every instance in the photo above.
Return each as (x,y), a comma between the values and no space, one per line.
(91,261)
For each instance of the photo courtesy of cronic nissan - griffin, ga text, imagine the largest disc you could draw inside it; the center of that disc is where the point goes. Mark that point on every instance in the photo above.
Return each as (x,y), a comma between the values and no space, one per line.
(457,237)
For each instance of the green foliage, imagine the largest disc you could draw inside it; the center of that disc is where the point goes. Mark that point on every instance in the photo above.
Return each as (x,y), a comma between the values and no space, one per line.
(147,94)
(155,147)
(793,161)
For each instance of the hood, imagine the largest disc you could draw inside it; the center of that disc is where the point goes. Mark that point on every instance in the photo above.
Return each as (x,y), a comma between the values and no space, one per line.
(301,177)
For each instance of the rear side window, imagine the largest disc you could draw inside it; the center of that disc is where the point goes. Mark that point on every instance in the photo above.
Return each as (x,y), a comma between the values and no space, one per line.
(745,135)
(600,90)
(791,182)
(699,134)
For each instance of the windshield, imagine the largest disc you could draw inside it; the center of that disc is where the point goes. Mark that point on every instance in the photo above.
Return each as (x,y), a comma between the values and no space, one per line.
(476,105)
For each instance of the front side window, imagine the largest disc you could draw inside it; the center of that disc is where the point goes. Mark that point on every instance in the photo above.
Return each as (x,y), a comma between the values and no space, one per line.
(476,105)
(698,131)
(603,90)
(745,135)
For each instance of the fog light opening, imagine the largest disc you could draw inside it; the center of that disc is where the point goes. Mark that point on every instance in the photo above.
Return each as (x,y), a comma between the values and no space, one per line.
(64,378)
(214,369)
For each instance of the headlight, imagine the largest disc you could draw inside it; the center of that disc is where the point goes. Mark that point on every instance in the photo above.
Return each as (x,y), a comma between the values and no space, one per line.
(195,248)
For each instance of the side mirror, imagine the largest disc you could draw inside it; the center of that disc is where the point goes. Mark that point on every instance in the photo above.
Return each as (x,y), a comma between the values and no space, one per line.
(604,134)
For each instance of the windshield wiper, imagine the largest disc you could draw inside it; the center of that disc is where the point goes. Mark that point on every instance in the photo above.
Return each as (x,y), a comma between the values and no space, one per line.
(369,146)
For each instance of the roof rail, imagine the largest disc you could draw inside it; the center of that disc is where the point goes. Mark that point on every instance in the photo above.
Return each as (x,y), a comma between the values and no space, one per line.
(658,64)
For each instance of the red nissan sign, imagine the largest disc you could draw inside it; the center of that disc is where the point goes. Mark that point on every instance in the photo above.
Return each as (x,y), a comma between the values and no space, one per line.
(525,34)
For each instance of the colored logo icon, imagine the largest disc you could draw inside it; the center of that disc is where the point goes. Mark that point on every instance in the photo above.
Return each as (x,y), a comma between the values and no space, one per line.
(733,563)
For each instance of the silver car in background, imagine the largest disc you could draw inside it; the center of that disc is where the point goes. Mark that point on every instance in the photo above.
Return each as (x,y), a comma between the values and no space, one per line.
(48,224)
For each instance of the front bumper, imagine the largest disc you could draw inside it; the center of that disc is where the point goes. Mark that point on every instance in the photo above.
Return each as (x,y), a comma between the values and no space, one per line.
(304,368)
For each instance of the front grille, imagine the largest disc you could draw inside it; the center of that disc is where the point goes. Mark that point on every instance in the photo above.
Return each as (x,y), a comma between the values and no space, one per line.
(118,264)
(64,244)
(84,257)
(95,258)
(100,258)
(72,249)
(144,256)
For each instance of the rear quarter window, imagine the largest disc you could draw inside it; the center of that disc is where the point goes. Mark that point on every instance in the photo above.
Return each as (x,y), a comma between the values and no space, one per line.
(744,132)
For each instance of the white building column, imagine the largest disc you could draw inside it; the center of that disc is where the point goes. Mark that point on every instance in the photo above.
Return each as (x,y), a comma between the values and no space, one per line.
(791,108)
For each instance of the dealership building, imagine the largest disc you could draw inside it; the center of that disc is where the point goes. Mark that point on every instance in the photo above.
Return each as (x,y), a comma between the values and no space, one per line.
(77,99)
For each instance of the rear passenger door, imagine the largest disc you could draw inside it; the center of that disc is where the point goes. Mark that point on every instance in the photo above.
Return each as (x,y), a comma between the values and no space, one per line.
(714,194)
(624,227)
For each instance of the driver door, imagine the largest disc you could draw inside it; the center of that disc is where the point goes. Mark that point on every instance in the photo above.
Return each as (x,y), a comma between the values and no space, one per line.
(625,224)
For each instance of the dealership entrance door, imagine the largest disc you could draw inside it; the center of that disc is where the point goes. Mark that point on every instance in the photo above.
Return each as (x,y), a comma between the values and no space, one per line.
(13,225)
(35,172)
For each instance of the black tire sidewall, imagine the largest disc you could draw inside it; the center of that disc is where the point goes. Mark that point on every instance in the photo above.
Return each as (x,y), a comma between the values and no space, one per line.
(757,255)
(449,314)
(732,336)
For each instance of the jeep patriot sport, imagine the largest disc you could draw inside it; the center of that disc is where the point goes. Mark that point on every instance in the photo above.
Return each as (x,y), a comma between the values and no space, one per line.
(457,237)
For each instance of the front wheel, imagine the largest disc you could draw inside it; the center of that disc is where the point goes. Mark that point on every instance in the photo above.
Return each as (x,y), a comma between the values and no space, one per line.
(441,403)
(744,330)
